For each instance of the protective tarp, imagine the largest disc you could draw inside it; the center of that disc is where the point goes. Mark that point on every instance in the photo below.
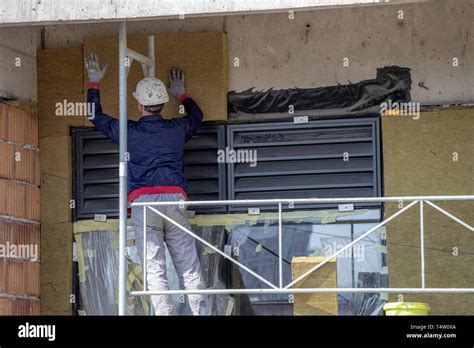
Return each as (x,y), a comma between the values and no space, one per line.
(392,83)
(97,254)
(213,270)
(360,266)
(253,242)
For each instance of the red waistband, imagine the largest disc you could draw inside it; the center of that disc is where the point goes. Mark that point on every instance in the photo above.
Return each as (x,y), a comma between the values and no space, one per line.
(149,190)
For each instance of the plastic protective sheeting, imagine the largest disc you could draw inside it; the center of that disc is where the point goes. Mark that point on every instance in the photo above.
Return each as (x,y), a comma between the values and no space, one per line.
(392,83)
(97,253)
(360,266)
(212,268)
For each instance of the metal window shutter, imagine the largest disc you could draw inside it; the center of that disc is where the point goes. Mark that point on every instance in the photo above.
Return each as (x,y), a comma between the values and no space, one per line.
(206,177)
(96,171)
(306,160)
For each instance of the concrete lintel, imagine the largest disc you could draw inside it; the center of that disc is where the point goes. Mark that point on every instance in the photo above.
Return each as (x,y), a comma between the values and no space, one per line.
(44,12)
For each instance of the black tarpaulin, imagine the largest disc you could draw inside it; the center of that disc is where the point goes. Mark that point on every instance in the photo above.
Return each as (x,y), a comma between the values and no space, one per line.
(392,83)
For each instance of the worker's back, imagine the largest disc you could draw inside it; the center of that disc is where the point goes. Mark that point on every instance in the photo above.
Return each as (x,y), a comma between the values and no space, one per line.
(156,153)
(155,145)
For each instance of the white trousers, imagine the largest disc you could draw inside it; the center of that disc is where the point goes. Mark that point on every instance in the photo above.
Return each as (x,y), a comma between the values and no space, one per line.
(182,248)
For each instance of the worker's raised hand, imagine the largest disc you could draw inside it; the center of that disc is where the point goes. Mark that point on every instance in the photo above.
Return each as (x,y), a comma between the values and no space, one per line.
(95,71)
(177,87)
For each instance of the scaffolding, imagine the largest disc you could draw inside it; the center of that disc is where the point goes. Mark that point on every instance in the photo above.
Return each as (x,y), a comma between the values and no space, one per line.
(126,57)
(281,288)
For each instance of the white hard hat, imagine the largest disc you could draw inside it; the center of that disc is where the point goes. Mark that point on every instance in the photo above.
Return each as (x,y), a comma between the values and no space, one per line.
(151,91)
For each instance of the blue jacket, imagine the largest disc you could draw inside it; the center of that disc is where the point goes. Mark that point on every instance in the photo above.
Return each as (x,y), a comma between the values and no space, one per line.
(155,144)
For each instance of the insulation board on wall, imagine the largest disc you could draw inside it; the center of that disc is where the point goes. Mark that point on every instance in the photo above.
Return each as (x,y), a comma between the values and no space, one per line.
(203,57)
(60,80)
(431,156)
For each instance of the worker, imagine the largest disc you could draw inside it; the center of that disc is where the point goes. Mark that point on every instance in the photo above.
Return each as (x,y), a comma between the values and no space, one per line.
(156,172)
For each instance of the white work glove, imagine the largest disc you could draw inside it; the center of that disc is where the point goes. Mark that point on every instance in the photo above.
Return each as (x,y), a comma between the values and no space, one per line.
(95,71)
(176,82)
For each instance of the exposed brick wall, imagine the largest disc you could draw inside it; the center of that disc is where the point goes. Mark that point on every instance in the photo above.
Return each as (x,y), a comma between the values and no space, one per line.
(19,212)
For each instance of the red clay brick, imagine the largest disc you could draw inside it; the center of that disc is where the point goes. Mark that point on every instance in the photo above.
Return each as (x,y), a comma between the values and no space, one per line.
(3,121)
(26,164)
(19,200)
(19,306)
(23,233)
(3,196)
(23,278)
(20,233)
(7,160)
(5,306)
(18,125)
(3,274)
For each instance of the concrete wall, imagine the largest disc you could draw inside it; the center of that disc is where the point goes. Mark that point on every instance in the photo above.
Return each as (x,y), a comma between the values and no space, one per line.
(308,51)
(41,12)
(18,48)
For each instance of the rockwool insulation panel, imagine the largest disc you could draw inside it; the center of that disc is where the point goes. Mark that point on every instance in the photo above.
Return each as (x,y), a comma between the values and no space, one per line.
(60,81)
(428,156)
(56,179)
(56,268)
(203,57)
(324,277)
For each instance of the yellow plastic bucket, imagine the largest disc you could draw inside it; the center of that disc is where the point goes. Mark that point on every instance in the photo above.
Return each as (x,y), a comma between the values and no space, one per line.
(406,308)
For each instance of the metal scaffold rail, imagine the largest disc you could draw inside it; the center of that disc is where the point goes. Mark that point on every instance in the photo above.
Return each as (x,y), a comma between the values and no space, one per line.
(289,288)
(126,58)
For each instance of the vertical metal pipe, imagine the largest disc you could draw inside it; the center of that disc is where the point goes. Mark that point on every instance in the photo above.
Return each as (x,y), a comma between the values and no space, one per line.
(151,54)
(422,244)
(144,248)
(122,168)
(280,247)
